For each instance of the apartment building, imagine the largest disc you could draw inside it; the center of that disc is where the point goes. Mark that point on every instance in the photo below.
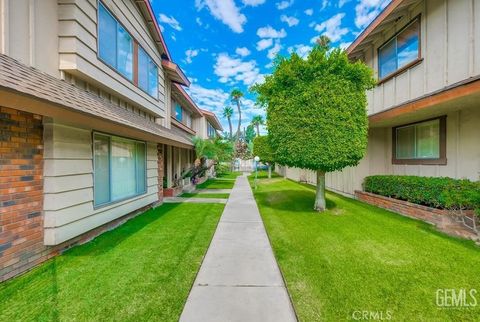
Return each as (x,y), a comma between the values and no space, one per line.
(424,113)
(87,90)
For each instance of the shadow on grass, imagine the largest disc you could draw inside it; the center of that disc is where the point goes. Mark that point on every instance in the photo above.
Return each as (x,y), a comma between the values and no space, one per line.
(98,246)
(108,240)
(292,200)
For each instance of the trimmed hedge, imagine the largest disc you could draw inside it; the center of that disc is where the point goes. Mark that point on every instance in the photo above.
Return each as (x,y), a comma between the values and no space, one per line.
(442,193)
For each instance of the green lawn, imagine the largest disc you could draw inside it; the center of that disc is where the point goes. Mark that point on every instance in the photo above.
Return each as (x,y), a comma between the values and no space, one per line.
(141,271)
(205,195)
(357,257)
(262,174)
(229,175)
(216,184)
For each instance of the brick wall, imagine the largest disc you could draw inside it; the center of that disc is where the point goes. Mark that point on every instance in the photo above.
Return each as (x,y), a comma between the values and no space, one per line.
(21,196)
(21,191)
(442,219)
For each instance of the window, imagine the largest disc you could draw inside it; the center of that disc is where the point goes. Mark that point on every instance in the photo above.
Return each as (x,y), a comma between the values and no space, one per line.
(147,73)
(119,168)
(422,142)
(178,112)
(116,48)
(400,51)
(211,132)
(115,45)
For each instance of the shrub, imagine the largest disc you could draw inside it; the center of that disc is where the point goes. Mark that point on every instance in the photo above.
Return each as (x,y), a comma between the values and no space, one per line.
(222,169)
(442,193)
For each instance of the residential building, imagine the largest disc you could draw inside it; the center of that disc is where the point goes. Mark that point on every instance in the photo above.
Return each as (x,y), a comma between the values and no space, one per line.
(424,112)
(87,89)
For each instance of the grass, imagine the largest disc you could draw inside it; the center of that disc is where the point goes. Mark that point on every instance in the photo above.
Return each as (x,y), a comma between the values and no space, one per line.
(229,175)
(205,195)
(356,257)
(216,184)
(142,270)
(264,175)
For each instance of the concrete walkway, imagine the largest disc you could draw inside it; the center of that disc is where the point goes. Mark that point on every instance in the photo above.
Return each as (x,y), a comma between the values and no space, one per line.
(239,279)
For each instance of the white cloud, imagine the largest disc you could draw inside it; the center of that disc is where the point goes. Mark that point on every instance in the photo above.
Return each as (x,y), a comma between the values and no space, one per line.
(264,44)
(367,10)
(344,45)
(301,50)
(341,3)
(325,3)
(284,4)
(226,11)
(216,99)
(190,53)
(290,21)
(309,12)
(272,52)
(253,3)
(234,70)
(199,21)
(243,51)
(332,28)
(171,21)
(210,99)
(269,32)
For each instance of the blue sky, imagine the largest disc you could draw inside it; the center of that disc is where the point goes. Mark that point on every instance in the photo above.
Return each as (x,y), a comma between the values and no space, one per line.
(227,44)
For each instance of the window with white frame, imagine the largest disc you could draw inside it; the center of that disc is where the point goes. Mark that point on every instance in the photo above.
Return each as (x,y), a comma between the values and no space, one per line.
(119,168)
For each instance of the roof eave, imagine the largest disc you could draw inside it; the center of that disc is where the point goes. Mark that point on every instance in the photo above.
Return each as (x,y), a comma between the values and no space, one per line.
(373,25)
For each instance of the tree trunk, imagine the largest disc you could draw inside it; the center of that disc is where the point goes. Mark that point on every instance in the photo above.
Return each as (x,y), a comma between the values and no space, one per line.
(320,203)
(230,126)
(239,120)
(269,171)
(258,129)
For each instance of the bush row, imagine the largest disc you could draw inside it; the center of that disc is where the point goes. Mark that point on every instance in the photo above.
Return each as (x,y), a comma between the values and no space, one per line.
(442,193)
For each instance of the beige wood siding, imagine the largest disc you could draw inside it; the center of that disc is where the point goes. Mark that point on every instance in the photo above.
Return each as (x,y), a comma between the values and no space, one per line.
(450,44)
(463,156)
(78,49)
(29,33)
(68,184)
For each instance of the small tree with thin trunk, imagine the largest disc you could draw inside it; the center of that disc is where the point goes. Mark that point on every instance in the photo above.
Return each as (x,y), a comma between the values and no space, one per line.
(228,113)
(316,112)
(236,96)
(262,149)
(257,121)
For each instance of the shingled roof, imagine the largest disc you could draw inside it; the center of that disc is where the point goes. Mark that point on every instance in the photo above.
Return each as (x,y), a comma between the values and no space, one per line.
(25,80)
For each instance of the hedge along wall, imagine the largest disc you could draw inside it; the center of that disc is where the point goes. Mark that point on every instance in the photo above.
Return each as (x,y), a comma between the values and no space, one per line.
(441,193)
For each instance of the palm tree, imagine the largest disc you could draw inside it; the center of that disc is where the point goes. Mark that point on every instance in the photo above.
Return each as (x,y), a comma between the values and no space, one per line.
(236,95)
(228,112)
(257,121)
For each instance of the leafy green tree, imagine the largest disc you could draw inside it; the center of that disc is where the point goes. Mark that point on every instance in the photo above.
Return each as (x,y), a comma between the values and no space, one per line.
(228,113)
(262,149)
(249,133)
(217,150)
(316,112)
(236,96)
(257,121)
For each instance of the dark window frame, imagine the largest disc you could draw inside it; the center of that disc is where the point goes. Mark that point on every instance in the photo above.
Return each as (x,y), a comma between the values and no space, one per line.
(419,59)
(134,79)
(441,160)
